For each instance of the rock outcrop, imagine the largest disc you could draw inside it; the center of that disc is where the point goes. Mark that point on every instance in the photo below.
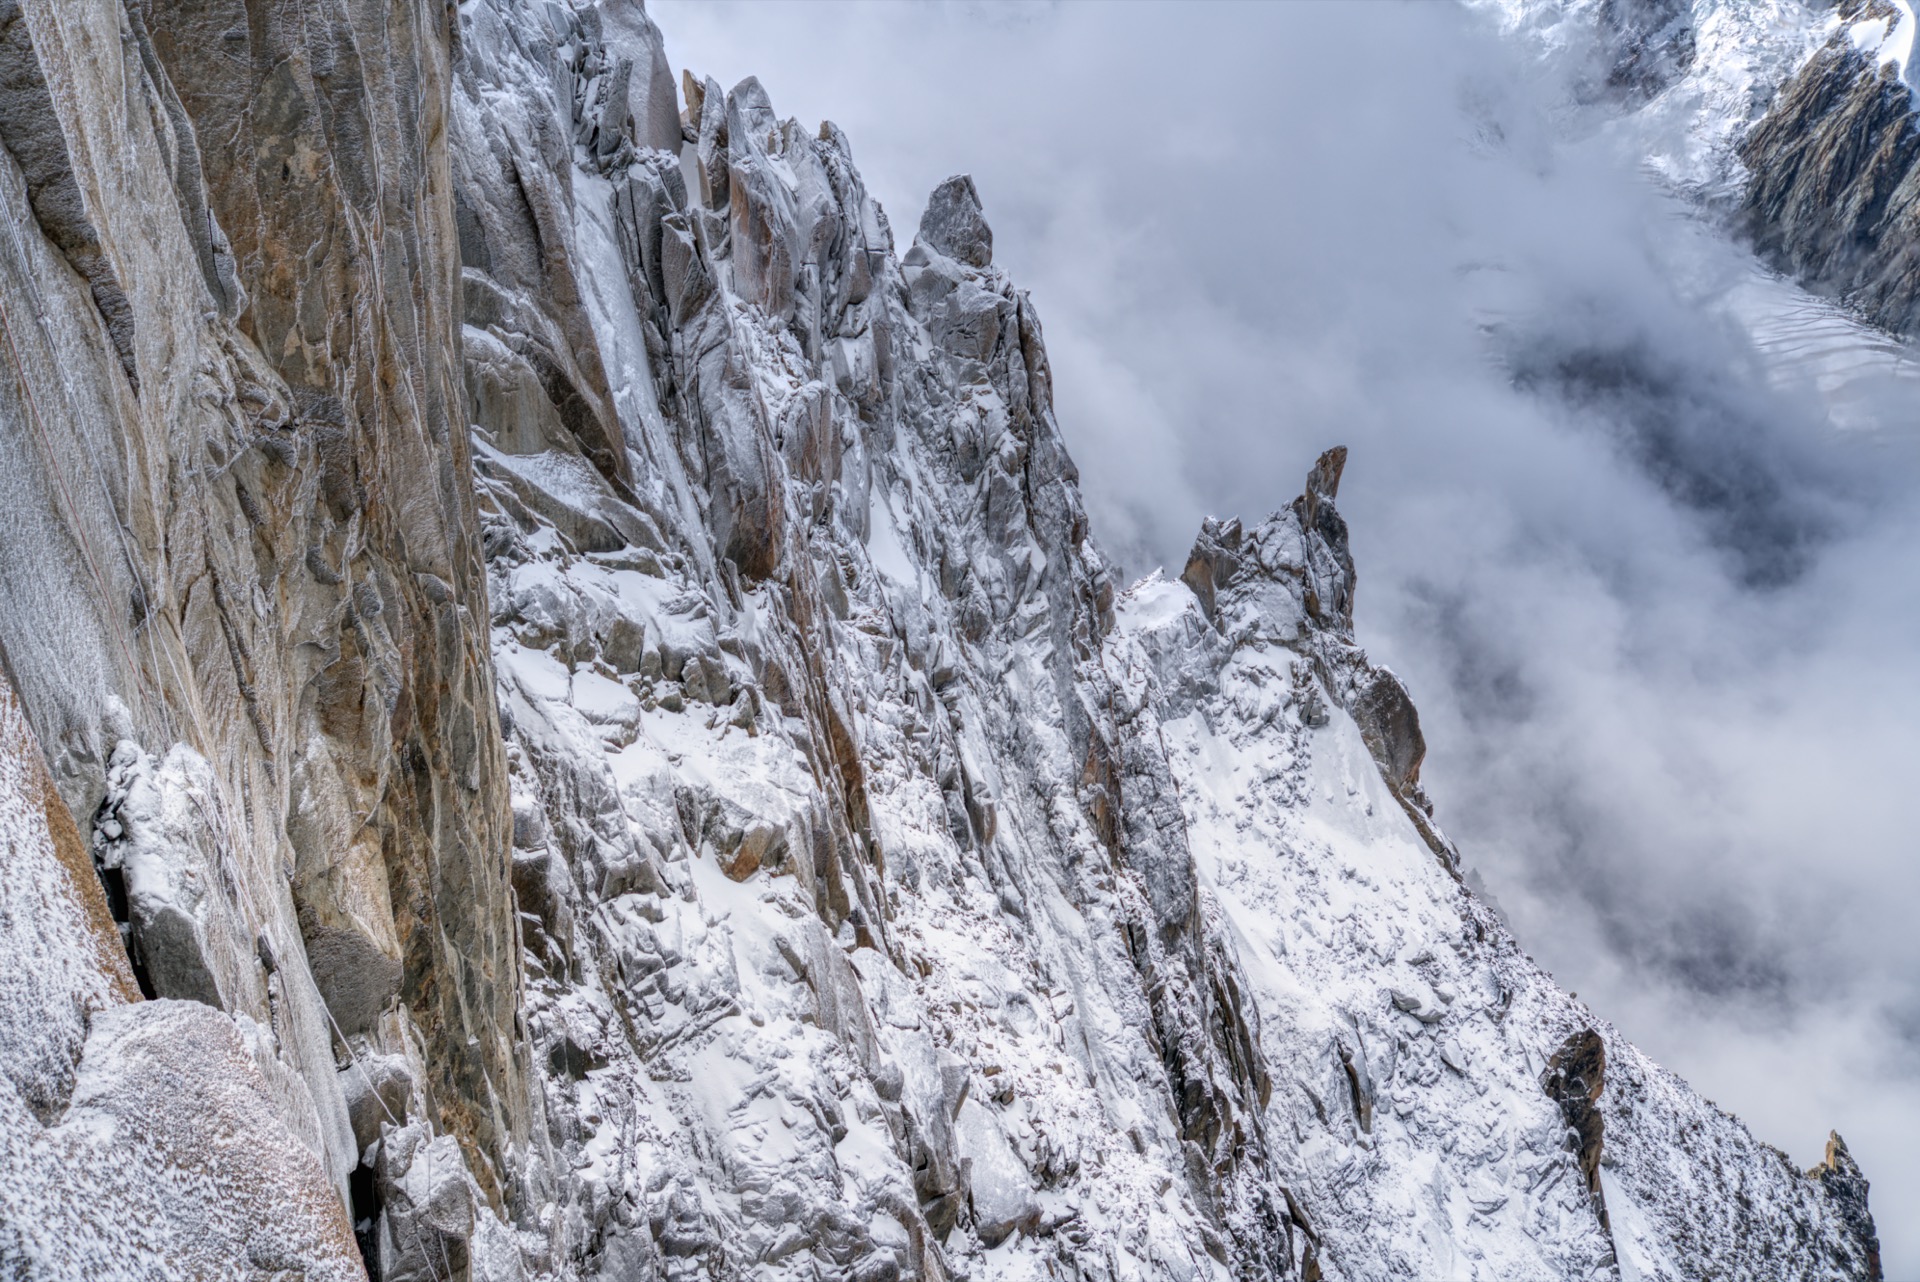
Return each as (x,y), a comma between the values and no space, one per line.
(577,680)
(1834,193)
(1651,44)
(1805,119)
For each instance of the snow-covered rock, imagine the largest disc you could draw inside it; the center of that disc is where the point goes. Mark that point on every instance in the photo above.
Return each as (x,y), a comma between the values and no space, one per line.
(590,670)
(1453,1113)
(140,1139)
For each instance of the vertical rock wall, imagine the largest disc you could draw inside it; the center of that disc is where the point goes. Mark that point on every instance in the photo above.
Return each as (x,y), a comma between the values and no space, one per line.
(331,182)
(242,587)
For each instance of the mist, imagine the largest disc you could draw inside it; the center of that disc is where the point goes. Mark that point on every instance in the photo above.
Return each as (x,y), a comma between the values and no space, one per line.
(1646,570)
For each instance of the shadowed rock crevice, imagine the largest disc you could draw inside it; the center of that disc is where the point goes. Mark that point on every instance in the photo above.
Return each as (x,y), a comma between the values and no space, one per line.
(1574,1080)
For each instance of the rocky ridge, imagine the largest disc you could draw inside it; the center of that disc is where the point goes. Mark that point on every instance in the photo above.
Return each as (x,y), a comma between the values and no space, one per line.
(598,726)
(1834,193)
(1794,120)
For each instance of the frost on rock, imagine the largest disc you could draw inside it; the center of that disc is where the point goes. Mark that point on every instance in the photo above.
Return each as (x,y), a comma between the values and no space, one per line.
(140,1139)
(843,953)
(618,754)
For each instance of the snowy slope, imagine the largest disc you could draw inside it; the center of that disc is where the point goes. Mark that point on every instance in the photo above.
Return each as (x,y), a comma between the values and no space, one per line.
(1415,1047)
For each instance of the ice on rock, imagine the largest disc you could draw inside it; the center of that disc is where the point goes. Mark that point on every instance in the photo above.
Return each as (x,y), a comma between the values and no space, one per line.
(140,1139)
(379,1091)
(639,94)
(427,1221)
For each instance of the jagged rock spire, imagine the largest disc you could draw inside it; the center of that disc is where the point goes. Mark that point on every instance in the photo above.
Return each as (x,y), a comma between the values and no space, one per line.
(954,224)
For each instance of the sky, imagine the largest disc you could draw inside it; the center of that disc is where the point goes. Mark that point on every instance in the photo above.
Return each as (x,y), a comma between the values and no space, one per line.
(1649,580)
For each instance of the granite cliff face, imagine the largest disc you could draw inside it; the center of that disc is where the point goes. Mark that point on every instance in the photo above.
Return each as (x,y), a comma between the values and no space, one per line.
(562,718)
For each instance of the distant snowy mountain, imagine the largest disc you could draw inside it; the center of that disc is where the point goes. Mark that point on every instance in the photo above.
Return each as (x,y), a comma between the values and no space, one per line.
(563,717)
(1790,123)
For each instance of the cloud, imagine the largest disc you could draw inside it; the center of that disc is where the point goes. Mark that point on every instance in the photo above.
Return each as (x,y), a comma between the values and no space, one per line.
(1645,564)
